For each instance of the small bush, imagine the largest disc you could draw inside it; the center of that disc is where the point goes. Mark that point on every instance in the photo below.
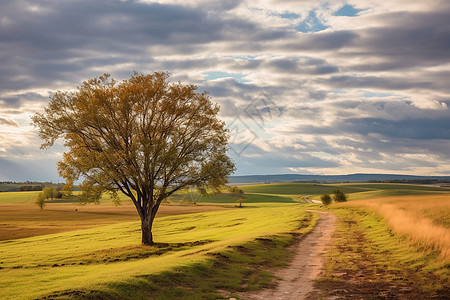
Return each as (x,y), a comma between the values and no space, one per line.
(326,199)
(339,196)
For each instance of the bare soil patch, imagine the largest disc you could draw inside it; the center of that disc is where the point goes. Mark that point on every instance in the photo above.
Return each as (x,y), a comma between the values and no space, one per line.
(296,280)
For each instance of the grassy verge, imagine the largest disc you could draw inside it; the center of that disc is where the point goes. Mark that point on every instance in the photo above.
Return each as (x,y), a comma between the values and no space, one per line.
(368,261)
(238,268)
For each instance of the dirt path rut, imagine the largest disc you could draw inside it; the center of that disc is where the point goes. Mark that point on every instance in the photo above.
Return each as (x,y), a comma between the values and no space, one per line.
(297,279)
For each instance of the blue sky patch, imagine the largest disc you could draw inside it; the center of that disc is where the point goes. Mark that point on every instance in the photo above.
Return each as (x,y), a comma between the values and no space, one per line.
(219,74)
(347,11)
(290,16)
(311,24)
(338,92)
(367,94)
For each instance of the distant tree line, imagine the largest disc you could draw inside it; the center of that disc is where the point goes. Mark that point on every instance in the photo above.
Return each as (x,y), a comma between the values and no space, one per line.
(50,193)
(26,188)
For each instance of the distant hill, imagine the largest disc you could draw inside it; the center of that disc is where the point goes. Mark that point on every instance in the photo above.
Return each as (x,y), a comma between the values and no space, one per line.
(395,178)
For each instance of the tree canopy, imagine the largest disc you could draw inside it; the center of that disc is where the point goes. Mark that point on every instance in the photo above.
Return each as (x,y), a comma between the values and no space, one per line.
(144,136)
(339,196)
(326,199)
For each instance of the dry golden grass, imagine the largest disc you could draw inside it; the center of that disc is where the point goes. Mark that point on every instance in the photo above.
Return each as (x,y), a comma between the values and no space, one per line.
(424,219)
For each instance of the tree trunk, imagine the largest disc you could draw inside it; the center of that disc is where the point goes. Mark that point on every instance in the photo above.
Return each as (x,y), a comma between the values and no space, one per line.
(146,226)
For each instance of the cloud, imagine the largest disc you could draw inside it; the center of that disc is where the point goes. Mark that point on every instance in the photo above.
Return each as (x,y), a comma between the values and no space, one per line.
(362,85)
(8,122)
(25,169)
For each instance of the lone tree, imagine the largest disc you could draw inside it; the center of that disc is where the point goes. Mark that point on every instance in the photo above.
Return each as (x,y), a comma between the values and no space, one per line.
(144,136)
(40,200)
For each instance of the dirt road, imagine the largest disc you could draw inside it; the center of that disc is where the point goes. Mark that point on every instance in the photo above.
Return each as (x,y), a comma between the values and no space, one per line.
(297,279)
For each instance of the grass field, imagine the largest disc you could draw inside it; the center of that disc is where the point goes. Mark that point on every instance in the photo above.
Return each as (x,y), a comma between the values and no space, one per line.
(69,250)
(355,191)
(18,197)
(90,258)
(21,220)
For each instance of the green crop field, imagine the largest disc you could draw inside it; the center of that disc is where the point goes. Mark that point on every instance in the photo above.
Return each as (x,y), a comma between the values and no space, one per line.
(356,191)
(17,197)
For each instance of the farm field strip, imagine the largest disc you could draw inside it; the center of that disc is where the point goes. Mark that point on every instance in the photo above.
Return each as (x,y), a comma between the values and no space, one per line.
(26,220)
(355,189)
(17,197)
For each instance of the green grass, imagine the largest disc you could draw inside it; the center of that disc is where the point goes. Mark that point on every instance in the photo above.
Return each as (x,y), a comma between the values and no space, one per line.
(108,261)
(298,188)
(30,197)
(94,258)
(235,269)
(355,191)
(250,198)
(266,193)
(292,192)
(227,198)
(18,197)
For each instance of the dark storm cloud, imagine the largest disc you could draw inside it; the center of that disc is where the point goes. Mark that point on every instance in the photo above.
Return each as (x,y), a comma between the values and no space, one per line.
(300,65)
(388,119)
(317,94)
(18,169)
(422,37)
(18,100)
(378,134)
(405,40)
(377,82)
(189,64)
(406,129)
(277,161)
(323,41)
(58,40)
(228,87)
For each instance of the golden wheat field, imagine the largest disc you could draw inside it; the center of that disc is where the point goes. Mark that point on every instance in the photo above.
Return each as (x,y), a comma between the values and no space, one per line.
(423,219)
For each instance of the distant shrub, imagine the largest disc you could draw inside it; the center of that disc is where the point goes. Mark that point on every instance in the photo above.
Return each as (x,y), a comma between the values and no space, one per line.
(326,199)
(236,191)
(240,201)
(339,196)
(40,200)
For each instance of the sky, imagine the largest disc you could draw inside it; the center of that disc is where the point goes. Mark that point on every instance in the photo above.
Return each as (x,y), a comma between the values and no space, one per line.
(306,87)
